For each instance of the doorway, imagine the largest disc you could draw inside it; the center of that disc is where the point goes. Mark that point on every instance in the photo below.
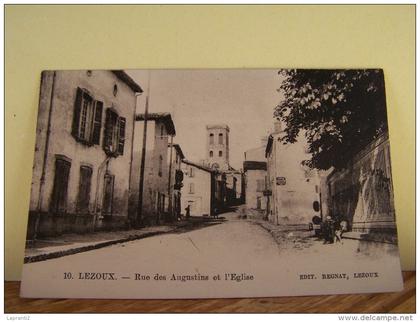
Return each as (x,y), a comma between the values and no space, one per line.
(108,194)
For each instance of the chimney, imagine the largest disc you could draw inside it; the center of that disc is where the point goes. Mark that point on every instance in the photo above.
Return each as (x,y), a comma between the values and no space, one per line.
(277,126)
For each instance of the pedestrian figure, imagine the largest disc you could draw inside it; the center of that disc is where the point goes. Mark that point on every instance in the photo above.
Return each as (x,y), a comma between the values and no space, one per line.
(328,230)
(187,211)
(215,213)
(341,227)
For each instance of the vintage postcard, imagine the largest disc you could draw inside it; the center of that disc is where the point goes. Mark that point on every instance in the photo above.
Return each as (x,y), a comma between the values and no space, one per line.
(158,184)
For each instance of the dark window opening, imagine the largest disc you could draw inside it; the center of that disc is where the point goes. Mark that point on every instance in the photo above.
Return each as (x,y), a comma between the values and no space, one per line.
(87,118)
(58,203)
(114,138)
(160,165)
(108,194)
(83,197)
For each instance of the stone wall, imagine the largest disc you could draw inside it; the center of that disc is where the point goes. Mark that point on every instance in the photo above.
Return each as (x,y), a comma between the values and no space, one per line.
(362,192)
(100,85)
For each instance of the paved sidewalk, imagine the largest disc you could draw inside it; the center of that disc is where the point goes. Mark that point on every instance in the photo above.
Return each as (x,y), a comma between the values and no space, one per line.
(286,236)
(69,244)
(289,237)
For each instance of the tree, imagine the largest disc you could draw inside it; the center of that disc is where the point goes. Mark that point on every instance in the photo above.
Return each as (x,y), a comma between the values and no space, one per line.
(339,112)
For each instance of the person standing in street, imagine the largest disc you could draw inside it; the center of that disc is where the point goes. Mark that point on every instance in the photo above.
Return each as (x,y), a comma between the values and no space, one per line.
(187,211)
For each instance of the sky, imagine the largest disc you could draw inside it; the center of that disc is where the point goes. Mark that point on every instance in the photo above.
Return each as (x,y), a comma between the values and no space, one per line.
(244,99)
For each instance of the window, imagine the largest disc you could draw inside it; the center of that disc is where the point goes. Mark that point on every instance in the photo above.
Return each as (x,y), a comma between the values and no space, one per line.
(58,203)
(211,154)
(220,138)
(191,172)
(211,138)
(83,196)
(114,137)
(191,187)
(160,203)
(163,202)
(220,153)
(160,165)
(87,118)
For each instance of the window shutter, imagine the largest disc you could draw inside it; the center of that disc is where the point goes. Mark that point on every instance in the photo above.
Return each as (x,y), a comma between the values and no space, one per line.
(97,122)
(121,138)
(108,131)
(76,113)
(84,189)
(108,194)
(58,203)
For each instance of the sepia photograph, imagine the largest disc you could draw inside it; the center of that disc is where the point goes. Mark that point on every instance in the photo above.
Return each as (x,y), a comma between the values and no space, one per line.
(211,183)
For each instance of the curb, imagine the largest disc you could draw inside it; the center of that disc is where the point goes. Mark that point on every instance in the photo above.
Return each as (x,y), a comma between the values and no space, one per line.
(72,251)
(43,257)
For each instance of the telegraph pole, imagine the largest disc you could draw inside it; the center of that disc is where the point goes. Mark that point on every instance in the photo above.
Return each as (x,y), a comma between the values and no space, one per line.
(143,156)
(170,177)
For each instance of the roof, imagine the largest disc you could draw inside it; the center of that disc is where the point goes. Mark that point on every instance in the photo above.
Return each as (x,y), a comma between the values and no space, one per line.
(256,154)
(178,150)
(255,165)
(218,126)
(199,166)
(231,169)
(162,117)
(122,75)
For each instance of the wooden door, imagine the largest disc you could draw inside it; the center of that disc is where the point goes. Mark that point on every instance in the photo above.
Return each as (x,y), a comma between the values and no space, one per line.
(108,194)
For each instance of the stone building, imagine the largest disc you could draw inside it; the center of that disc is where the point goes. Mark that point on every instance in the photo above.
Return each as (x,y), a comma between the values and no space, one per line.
(204,189)
(175,157)
(83,152)
(218,159)
(149,207)
(255,173)
(294,189)
(218,146)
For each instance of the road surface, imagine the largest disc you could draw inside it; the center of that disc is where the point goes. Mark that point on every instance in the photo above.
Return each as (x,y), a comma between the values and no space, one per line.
(158,267)
(231,243)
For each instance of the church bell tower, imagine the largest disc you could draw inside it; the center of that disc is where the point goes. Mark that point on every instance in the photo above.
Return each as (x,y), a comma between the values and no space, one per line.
(218,146)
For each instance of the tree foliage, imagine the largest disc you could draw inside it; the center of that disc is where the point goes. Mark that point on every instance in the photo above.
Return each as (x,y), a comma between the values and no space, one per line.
(339,112)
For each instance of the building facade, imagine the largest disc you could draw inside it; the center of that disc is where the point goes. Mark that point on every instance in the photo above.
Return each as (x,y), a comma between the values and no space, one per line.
(218,146)
(255,173)
(204,190)
(83,152)
(175,157)
(294,189)
(362,193)
(218,159)
(198,189)
(150,206)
